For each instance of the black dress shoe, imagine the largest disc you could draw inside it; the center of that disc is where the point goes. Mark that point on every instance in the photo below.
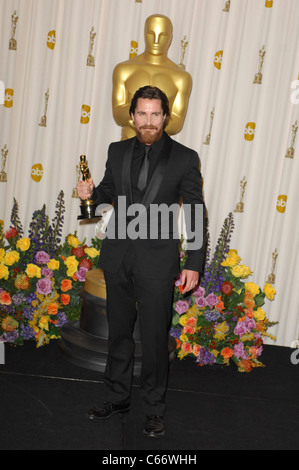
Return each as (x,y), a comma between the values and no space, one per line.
(154,426)
(106,409)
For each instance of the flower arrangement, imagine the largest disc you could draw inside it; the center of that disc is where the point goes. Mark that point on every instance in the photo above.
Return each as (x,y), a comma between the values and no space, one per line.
(222,320)
(40,278)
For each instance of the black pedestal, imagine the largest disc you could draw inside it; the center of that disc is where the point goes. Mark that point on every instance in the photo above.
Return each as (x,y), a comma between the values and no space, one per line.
(85,342)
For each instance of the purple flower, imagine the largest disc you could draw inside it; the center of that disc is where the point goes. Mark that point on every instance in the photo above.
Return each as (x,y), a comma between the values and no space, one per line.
(61,319)
(42,257)
(239,351)
(205,357)
(47,272)
(199,291)
(181,306)
(200,302)
(212,300)
(178,281)
(81,274)
(250,323)
(18,298)
(211,315)
(44,286)
(240,328)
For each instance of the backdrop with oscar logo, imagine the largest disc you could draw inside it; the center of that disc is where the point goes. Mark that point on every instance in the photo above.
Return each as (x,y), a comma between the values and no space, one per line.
(56,63)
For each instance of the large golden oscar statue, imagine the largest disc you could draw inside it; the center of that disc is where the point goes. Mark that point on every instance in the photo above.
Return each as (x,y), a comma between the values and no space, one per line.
(152,67)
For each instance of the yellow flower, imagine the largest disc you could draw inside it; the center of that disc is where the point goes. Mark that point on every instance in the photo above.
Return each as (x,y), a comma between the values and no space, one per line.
(91,252)
(53,264)
(253,288)
(183,320)
(72,265)
(229,262)
(241,271)
(183,338)
(2,255)
(269,291)
(11,258)
(4,273)
(221,330)
(73,241)
(232,259)
(33,271)
(44,323)
(9,324)
(259,314)
(23,244)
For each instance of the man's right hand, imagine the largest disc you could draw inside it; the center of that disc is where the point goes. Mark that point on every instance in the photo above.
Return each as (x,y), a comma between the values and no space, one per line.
(85,189)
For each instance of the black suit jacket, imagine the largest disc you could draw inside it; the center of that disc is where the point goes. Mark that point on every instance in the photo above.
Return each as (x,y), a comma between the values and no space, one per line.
(175,176)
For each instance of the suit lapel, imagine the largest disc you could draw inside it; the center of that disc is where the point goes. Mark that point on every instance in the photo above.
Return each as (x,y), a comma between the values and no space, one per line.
(126,171)
(158,173)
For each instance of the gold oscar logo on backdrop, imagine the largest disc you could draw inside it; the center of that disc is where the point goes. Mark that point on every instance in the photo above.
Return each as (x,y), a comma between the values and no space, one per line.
(85,114)
(184,44)
(43,120)
(3,175)
(134,49)
(13,42)
(258,76)
(37,172)
(271,277)
(240,204)
(218,59)
(281,203)
(8,98)
(51,41)
(208,136)
(90,57)
(249,131)
(269,3)
(226,6)
(290,151)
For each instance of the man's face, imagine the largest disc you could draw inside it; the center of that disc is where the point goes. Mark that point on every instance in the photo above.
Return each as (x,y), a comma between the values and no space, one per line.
(149,120)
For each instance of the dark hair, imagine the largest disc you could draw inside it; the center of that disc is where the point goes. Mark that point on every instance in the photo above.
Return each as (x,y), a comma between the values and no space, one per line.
(152,93)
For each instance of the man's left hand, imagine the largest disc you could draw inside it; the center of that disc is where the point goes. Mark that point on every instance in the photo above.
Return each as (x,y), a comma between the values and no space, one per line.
(189,279)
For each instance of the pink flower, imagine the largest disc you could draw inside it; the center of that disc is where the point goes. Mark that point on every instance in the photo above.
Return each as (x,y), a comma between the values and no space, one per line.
(199,291)
(42,257)
(212,300)
(239,351)
(200,302)
(181,306)
(44,286)
(81,274)
(250,323)
(240,328)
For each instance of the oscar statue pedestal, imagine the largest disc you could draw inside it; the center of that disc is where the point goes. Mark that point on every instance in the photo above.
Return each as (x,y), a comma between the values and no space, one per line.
(85,342)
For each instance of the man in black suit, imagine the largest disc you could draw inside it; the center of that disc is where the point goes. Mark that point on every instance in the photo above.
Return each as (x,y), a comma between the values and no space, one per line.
(139,255)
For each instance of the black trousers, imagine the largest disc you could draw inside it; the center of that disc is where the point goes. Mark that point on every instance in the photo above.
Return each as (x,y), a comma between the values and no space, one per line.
(129,291)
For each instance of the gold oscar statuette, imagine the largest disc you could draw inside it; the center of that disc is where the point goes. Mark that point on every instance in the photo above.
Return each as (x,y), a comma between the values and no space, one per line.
(3,175)
(87,206)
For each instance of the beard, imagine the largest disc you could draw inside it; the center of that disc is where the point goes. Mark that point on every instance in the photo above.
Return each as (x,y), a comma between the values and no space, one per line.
(149,134)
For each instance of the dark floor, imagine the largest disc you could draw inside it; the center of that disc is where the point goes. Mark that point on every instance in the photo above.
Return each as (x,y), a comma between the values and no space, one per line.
(44,399)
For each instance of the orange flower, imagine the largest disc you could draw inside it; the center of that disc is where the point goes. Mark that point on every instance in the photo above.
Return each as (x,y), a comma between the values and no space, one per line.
(5,298)
(22,282)
(245,365)
(189,329)
(196,350)
(52,308)
(66,285)
(227,353)
(248,300)
(178,343)
(220,305)
(65,299)
(187,348)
